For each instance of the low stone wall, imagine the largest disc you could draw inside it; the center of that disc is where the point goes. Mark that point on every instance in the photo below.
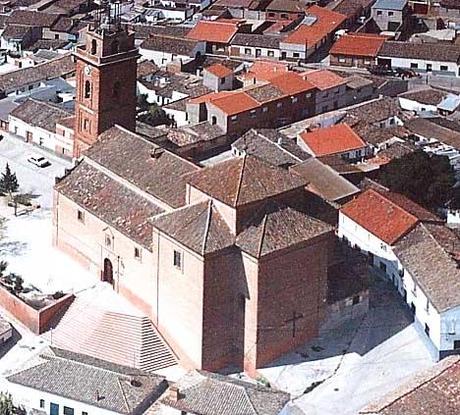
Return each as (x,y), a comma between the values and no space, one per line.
(38,321)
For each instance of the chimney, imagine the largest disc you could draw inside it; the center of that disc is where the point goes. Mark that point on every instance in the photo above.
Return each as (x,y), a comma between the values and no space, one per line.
(156,152)
(174,394)
(280,140)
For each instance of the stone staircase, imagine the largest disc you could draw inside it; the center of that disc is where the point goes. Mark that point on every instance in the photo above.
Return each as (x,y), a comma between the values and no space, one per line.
(120,337)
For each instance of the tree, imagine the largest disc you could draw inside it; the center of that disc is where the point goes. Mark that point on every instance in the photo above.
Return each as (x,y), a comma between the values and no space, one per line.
(426,179)
(8,182)
(7,406)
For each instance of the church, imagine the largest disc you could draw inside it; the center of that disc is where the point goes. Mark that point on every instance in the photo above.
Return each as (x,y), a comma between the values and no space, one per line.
(224,259)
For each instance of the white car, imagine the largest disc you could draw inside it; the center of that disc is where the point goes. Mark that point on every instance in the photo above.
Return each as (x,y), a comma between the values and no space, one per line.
(39,161)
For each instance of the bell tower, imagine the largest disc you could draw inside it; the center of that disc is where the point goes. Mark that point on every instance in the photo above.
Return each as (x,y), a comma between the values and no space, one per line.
(105,78)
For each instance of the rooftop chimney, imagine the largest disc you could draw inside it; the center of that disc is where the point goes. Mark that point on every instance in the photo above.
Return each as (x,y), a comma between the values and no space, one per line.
(174,394)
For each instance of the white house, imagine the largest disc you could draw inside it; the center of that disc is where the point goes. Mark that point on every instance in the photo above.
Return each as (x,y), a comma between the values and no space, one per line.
(37,123)
(62,382)
(416,252)
(421,57)
(163,50)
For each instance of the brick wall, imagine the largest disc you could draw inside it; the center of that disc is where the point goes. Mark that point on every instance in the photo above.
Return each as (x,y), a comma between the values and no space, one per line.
(38,321)
(291,281)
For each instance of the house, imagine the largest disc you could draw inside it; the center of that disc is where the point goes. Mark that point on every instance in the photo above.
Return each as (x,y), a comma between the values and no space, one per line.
(176,221)
(255,46)
(37,122)
(163,50)
(421,57)
(165,87)
(31,78)
(435,388)
(200,392)
(338,139)
(284,9)
(357,11)
(332,89)
(360,50)
(316,31)
(423,100)
(218,77)
(417,252)
(286,98)
(389,15)
(16,38)
(85,385)
(216,33)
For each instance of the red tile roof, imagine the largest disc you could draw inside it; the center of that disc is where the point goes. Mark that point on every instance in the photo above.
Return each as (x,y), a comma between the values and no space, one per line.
(327,22)
(291,83)
(232,104)
(219,70)
(214,31)
(323,79)
(265,70)
(209,97)
(380,216)
(358,45)
(337,139)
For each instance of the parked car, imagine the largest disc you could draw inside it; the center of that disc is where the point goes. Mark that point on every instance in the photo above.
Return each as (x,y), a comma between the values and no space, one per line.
(39,161)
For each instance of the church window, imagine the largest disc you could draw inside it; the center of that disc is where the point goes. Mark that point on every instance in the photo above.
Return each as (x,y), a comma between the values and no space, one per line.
(81,216)
(137,253)
(86,124)
(87,89)
(93,47)
(177,260)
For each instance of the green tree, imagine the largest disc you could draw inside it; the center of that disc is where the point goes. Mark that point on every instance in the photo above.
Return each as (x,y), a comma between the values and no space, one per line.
(8,182)
(424,178)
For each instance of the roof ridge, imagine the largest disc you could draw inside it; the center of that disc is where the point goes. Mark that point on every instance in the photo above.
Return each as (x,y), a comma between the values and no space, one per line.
(262,238)
(207,227)
(125,399)
(240,180)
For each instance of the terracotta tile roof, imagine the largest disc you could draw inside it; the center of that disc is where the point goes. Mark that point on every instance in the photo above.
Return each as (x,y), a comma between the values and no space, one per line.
(40,114)
(388,221)
(236,103)
(327,22)
(432,267)
(170,44)
(214,31)
(210,97)
(162,177)
(265,70)
(199,227)
(434,391)
(424,51)
(110,201)
(243,180)
(324,181)
(272,147)
(291,83)
(209,393)
(219,70)
(323,79)
(276,227)
(358,45)
(338,138)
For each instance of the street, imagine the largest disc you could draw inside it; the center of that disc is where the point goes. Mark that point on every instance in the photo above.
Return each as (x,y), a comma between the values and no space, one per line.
(32,179)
